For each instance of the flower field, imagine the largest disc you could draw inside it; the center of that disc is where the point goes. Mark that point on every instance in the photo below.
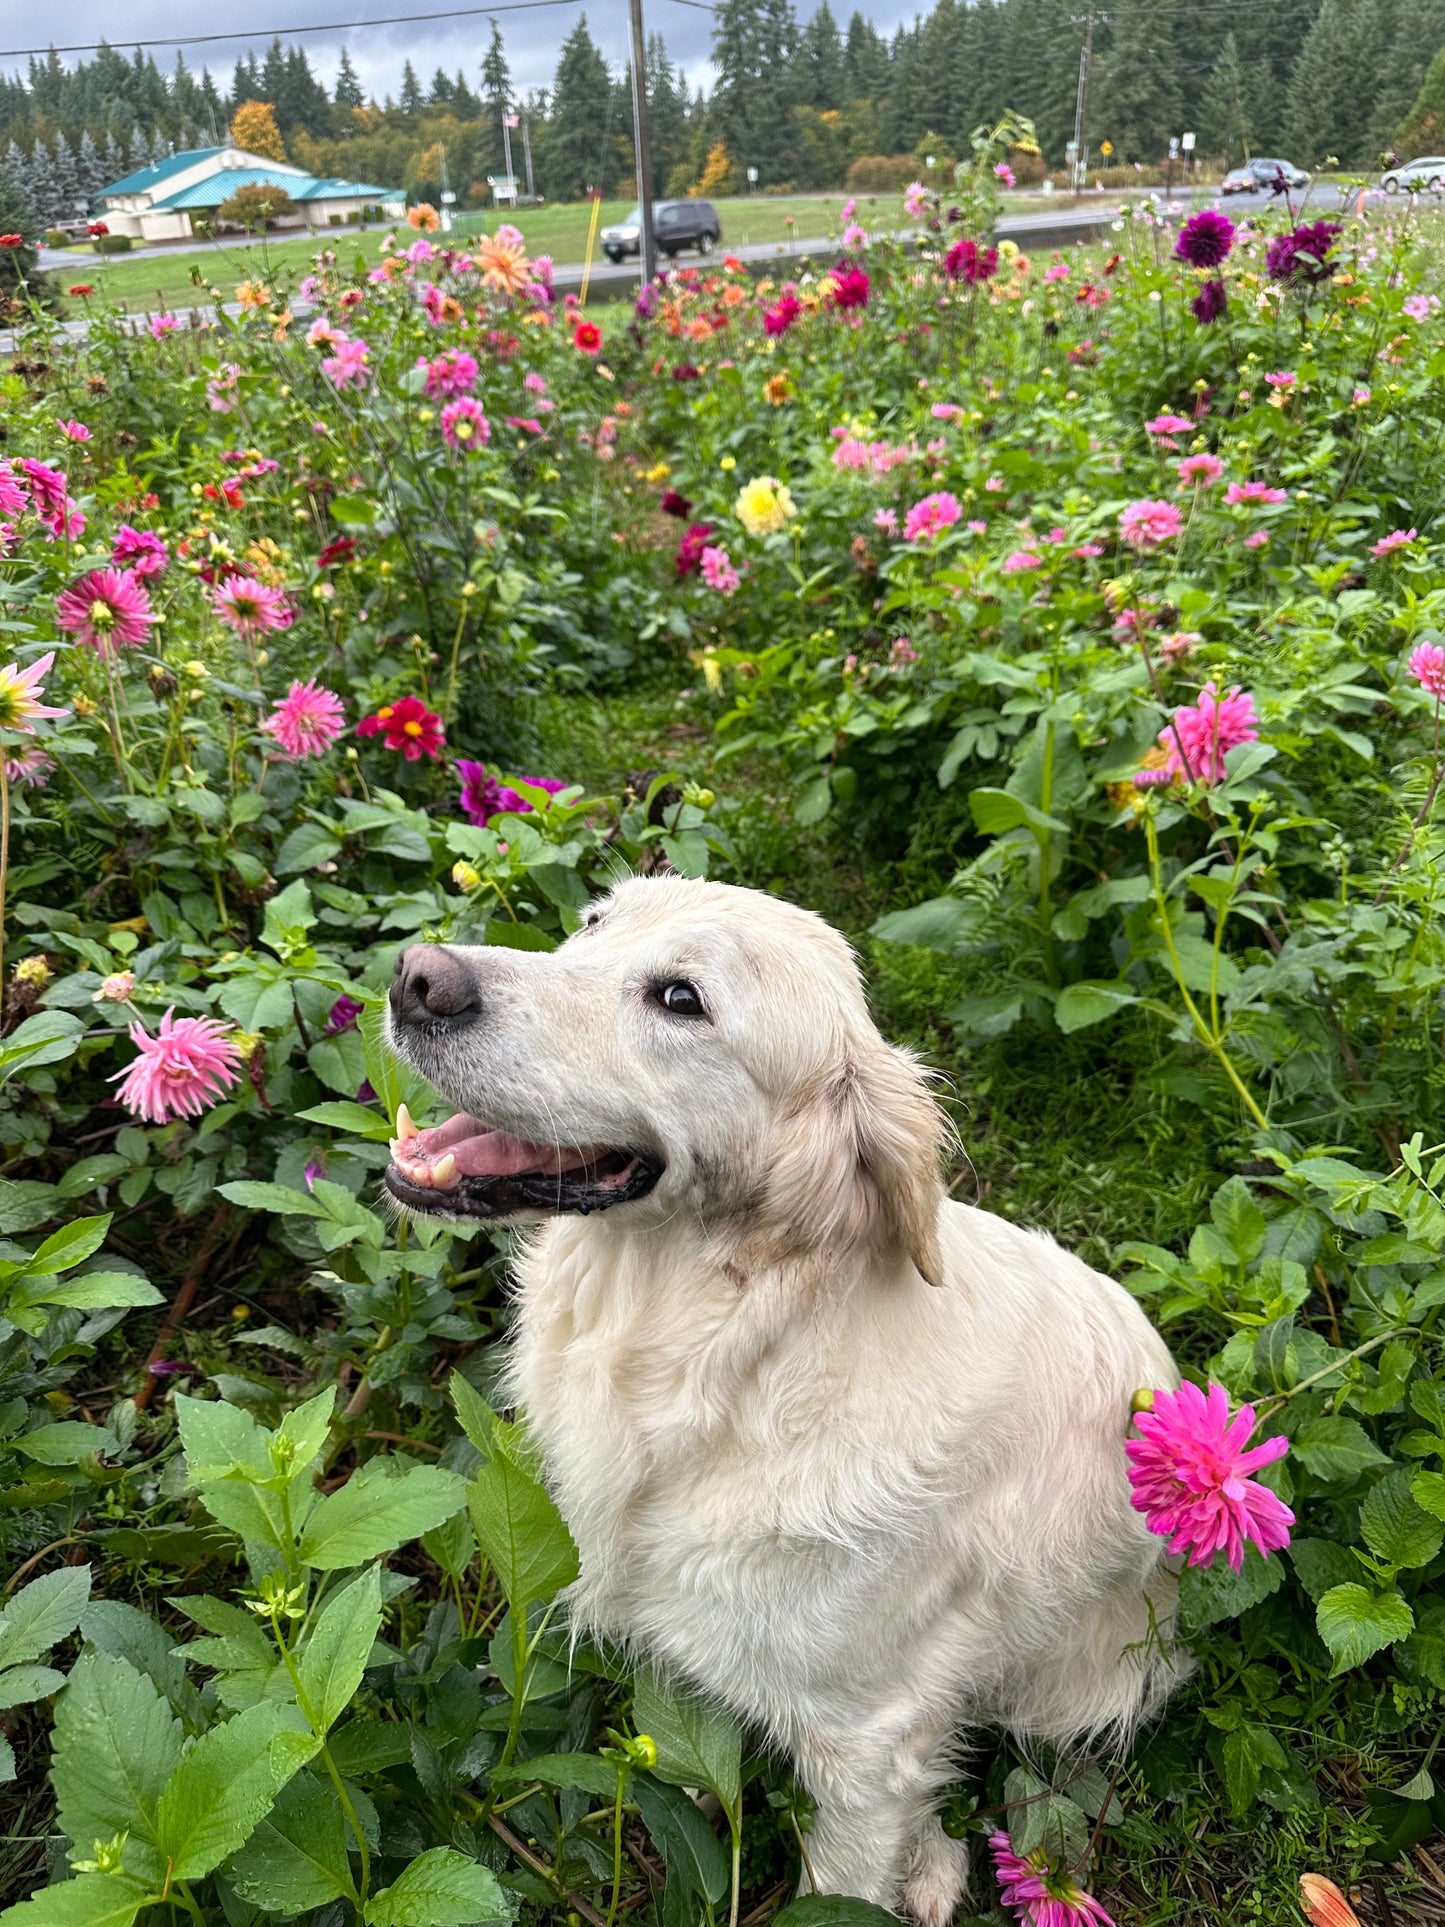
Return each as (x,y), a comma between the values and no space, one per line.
(1068,630)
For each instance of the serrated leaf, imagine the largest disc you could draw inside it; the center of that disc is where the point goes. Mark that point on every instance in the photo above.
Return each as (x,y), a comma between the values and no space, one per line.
(90,1900)
(441,1888)
(1395,1527)
(1082,1004)
(521,1531)
(582,1770)
(477,1417)
(1237,1216)
(1208,1594)
(696,1860)
(224,1785)
(116,1745)
(22,1685)
(297,1858)
(217,1437)
(1336,1448)
(698,1743)
(1354,1623)
(67,1247)
(66,1442)
(252,1195)
(1249,1751)
(335,1654)
(833,1910)
(43,1612)
(95,1291)
(378,1509)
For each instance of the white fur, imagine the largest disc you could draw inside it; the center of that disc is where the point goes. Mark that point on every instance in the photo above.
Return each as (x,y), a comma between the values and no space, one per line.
(864,1510)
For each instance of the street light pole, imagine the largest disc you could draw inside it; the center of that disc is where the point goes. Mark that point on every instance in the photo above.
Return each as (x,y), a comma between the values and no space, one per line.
(642,142)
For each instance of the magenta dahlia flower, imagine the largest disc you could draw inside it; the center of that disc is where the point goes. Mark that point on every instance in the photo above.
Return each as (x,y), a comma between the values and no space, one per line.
(849,288)
(1427,666)
(1021,561)
(1190,1475)
(1205,239)
(108,609)
(1211,303)
(306,721)
(250,607)
(928,519)
(1239,492)
(1202,470)
(181,1071)
(1144,525)
(717,570)
(1303,255)
(485,796)
(13,494)
(967,261)
(464,425)
(1207,731)
(777,320)
(347,367)
(138,549)
(689,550)
(1036,1895)
(20,693)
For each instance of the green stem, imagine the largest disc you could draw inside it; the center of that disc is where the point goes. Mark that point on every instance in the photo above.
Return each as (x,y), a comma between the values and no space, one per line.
(735,1825)
(617,1846)
(519,1700)
(1212,1043)
(1370,1345)
(308,1713)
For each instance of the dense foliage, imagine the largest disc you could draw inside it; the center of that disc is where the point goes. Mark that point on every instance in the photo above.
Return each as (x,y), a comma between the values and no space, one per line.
(1078,616)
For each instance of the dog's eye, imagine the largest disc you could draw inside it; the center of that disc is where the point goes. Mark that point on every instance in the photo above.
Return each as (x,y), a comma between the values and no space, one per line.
(680,999)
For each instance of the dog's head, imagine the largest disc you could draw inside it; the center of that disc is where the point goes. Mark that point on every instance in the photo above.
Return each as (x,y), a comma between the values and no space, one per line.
(693,1048)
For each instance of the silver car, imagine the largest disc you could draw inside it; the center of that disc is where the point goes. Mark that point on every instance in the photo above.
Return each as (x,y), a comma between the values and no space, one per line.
(1427,172)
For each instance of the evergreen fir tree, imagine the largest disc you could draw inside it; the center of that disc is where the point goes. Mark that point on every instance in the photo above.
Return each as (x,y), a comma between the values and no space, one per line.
(577,156)
(1424,128)
(1138,100)
(412,99)
(1332,90)
(667,109)
(348,95)
(1418,27)
(865,61)
(820,62)
(1224,119)
(113,163)
(17,216)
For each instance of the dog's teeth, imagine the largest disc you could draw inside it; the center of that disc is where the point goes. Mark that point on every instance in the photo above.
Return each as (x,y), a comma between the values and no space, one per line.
(404,1125)
(444,1170)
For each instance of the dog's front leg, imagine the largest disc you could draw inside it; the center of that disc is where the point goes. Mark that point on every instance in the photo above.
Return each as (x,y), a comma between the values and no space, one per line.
(875,1834)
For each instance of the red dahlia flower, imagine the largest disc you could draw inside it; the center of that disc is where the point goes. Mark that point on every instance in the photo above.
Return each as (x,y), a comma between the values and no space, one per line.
(407,725)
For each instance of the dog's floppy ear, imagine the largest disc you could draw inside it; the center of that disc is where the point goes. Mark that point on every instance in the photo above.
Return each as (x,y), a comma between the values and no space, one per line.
(857,1159)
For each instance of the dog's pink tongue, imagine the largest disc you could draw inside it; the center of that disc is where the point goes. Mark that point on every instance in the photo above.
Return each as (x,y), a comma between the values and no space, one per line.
(477,1152)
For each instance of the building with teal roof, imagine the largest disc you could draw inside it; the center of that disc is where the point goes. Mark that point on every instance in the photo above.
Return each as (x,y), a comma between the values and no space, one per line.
(175,198)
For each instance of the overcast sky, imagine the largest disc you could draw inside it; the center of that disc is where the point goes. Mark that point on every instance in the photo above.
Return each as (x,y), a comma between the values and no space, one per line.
(532,38)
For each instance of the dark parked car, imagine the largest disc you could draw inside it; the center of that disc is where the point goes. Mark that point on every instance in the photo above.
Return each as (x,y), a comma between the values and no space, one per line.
(676,225)
(1269,174)
(1239,180)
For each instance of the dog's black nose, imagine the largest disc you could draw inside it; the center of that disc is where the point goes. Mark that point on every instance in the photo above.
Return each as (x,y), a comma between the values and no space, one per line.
(431,982)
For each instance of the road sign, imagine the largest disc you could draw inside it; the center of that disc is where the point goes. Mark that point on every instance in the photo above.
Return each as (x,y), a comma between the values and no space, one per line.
(1106,148)
(448,198)
(514,120)
(1188,143)
(752,177)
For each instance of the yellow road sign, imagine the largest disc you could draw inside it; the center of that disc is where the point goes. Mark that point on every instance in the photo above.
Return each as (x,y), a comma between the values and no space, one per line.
(1106,147)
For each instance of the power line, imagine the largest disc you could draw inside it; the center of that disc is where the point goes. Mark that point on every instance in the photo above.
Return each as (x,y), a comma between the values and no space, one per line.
(271,33)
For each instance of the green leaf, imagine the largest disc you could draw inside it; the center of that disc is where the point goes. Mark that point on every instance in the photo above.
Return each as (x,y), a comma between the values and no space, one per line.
(1321,1564)
(48,1037)
(441,1888)
(65,1442)
(1336,1448)
(521,1531)
(1238,1219)
(22,1685)
(335,1655)
(304,1431)
(66,1248)
(582,1770)
(997,811)
(1428,1490)
(218,1437)
(695,1858)
(476,1415)
(1249,1751)
(833,1910)
(42,1613)
(378,1509)
(90,1900)
(225,1784)
(1354,1623)
(253,1195)
(296,1859)
(1210,1593)
(116,1744)
(1395,1527)
(698,1743)
(342,1115)
(1085,1003)
(942,923)
(94,1291)
(306,846)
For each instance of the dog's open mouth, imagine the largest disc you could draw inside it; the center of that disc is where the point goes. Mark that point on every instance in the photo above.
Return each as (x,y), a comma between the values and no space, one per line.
(465,1169)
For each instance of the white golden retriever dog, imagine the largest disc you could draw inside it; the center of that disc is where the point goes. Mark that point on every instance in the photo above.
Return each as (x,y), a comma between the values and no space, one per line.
(841,1452)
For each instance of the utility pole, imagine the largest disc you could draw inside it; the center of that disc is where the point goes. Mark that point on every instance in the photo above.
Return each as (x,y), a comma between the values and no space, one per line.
(506,141)
(642,142)
(1081,106)
(527,151)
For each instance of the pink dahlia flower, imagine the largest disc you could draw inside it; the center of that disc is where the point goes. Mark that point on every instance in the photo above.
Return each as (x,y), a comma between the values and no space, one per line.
(717,570)
(886,521)
(20,693)
(485,796)
(181,1071)
(1238,492)
(1144,525)
(347,368)
(31,768)
(1168,425)
(915,199)
(1203,470)
(108,609)
(1021,561)
(849,288)
(464,425)
(1427,666)
(452,373)
(927,519)
(306,721)
(139,550)
(13,495)
(778,320)
(250,607)
(1036,1895)
(1208,730)
(74,431)
(1190,1475)
(162,325)
(1399,539)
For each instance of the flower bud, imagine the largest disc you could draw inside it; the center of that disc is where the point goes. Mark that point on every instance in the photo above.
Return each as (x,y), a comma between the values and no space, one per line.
(1142,1401)
(34,971)
(466,877)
